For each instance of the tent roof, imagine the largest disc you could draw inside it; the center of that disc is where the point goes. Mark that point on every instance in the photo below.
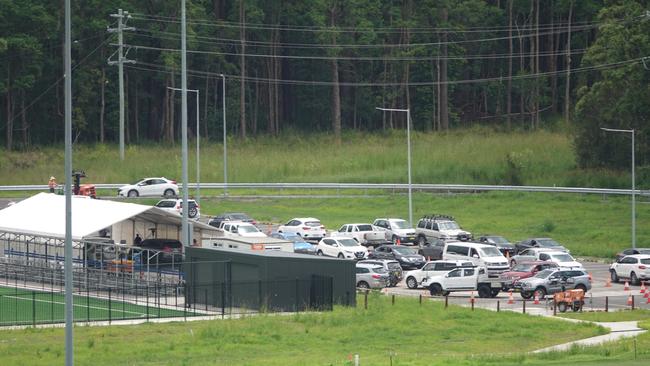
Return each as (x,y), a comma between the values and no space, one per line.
(44,214)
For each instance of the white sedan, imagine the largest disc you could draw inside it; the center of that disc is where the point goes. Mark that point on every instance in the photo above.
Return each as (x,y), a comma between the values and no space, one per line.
(305,227)
(150,187)
(344,248)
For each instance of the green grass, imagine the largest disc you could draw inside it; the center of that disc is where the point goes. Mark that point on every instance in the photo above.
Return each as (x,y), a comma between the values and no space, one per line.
(474,156)
(18,306)
(612,316)
(415,334)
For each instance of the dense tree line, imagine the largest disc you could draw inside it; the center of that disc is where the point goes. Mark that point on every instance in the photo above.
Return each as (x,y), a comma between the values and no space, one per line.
(325,65)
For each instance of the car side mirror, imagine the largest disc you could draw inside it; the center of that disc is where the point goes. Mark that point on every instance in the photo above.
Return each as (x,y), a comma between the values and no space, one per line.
(335,245)
(474,255)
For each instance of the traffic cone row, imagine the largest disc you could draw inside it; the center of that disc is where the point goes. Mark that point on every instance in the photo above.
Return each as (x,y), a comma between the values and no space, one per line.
(511,299)
(627,286)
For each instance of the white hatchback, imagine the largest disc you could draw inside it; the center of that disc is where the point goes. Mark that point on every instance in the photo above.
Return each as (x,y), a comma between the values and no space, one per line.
(150,187)
(344,248)
(305,227)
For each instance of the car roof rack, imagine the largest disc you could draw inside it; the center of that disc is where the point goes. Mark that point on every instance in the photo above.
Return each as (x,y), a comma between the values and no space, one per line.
(438,217)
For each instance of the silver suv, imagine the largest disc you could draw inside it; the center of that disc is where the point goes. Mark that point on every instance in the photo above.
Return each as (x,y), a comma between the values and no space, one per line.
(552,280)
(396,229)
(371,276)
(176,206)
(432,227)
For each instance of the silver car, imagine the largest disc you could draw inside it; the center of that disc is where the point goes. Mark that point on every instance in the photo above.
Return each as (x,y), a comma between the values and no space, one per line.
(553,280)
(371,276)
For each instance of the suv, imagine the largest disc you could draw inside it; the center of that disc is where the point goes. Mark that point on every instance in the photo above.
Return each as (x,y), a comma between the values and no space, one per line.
(551,281)
(444,227)
(176,206)
(393,268)
(635,267)
(415,278)
(371,276)
(396,229)
(308,228)
(480,254)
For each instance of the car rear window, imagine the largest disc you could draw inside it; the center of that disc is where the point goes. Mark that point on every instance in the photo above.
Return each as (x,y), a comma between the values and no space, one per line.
(645,261)
(166,204)
(312,223)
(365,227)
(394,265)
(379,270)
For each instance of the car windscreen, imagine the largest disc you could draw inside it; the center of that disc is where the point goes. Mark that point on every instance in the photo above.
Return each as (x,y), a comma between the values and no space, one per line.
(348,242)
(490,252)
(548,243)
(523,267)
(448,225)
(379,270)
(643,251)
(247,229)
(239,217)
(544,274)
(405,251)
(364,227)
(497,240)
(562,257)
(400,224)
(312,223)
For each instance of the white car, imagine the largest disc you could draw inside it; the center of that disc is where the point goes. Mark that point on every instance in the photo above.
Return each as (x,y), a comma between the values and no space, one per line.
(150,187)
(233,228)
(563,259)
(635,267)
(340,247)
(414,278)
(305,227)
(175,205)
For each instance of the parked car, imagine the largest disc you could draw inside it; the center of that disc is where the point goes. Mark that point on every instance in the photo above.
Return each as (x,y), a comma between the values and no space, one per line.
(434,268)
(463,279)
(236,229)
(407,257)
(432,250)
(396,229)
(551,281)
(306,227)
(161,251)
(393,268)
(501,243)
(634,267)
(299,244)
(632,251)
(444,227)
(563,259)
(175,205)
(150,187)
(365,234)
(482,255)
(231,216)
(341,247)
(546,243)
(371,276)
(524,270)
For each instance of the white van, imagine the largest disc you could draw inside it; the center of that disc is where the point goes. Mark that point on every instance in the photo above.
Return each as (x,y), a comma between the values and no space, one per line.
(481,255)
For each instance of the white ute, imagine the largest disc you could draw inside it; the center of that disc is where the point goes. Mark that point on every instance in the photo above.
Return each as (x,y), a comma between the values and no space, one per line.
(364,234)
(463,279)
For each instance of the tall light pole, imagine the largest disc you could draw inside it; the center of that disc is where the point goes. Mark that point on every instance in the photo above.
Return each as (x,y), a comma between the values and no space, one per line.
(225,149)
(69,345)
(408,144)
(198,149)
(184,223)
(633,183)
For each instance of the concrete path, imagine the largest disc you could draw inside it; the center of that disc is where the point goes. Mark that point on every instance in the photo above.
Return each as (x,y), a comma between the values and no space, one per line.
(618,330)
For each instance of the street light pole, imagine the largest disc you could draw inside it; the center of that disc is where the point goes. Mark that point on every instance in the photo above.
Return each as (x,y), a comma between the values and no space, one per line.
(633,183)
(408,144)
(198,149)
(225,149)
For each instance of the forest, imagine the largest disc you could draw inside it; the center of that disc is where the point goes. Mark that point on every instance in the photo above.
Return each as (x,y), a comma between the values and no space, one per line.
(326,65)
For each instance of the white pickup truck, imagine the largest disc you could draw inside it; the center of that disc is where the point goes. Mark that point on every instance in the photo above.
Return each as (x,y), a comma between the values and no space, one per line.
(463,279)
(364,234)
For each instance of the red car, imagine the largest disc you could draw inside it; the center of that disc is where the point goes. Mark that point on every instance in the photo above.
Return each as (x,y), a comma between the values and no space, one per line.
(524,270)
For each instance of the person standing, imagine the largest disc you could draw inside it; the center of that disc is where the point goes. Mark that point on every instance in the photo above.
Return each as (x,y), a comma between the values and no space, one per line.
(52,184)
(137,240)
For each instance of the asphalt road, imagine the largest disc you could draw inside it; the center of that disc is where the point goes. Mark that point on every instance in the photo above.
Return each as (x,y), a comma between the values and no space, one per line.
(595,299)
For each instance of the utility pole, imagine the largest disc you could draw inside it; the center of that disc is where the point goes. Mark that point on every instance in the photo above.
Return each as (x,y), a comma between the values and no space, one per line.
(69,305)
(185,229)
(122,17)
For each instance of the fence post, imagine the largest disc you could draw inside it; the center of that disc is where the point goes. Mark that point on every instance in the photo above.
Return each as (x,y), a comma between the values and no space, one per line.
(52,304)
(554,307)
(498,306)
(523,309)
(109,306)
(446,301)
(297,298)
(393,300)
(223,300)
(147,299)
(606,304)
(420,299)
(632,302)
(88,304)
(259,295)
(365,300)
(206,300)
(34,308)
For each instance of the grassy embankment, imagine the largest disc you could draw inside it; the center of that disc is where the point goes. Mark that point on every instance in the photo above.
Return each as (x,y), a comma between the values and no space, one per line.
(415,334)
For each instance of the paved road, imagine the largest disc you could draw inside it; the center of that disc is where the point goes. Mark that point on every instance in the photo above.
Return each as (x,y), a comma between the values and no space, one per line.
(595,299)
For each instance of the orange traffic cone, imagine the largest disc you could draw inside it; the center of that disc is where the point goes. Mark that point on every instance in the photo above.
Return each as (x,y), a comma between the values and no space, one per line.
(590,278)
(648,301)
(399,242)
(629,300)
(627,286)
(647,294)
(642,288)
(511,300)
(536,302)
(608,283)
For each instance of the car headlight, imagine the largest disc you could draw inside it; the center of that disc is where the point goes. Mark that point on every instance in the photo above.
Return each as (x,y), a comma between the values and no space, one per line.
(348,251)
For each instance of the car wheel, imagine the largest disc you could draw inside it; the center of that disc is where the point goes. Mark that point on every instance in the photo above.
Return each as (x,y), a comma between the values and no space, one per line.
(577,306)
(513,263)
(133,193)
(581,287)
(562,307)
(411,282)
(320,252)
(169,193)
(435,289)
(526,295)
(540,292)
(634,279)
(363,285)
(494,293)
(422,241)
(613,275)
(192,212)
(341,255)
(484,291)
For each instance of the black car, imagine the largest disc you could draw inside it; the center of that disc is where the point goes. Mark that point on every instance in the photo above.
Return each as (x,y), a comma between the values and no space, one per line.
(504,246)
(161,251)
(432,251)
(631,251)
(231,216)
(539,243)
(407,257)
